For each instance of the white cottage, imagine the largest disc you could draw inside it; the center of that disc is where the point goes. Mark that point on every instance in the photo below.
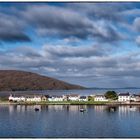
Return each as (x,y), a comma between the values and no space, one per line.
(100,98)
(55,98)
(124,97)
(33,99)
(73,97)
(135,98)
(16,99)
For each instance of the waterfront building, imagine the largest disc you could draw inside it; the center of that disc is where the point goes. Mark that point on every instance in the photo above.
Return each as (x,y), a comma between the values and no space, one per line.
(135,98)
(55,98)
(73,97)
(83,98)
(124,97)
(16,99)
(100,98)
(65,97)
(33,99)
(24,99)
(44,98)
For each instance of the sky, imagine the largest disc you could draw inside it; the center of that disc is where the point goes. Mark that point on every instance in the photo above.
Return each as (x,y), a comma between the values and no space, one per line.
(89,44)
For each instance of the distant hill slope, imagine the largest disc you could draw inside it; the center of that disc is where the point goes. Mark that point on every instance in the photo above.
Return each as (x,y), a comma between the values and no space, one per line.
(13,80)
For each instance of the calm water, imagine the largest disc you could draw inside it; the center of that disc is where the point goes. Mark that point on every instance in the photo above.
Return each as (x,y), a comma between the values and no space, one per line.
(67,121)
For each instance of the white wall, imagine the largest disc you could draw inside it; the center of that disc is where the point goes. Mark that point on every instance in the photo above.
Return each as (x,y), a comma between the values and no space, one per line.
(100,99)
(55,99)
(73,98)
(123,98)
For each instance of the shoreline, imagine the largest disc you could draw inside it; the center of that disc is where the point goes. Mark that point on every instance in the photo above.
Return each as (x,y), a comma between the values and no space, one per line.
(68,103)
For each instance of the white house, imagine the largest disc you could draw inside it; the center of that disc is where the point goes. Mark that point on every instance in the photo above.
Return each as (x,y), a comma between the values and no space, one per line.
(73,97)
(23,99)
(55,98)
(135,98)
(100,98)
(33,99)
(83,98)
(124,97)
(16,99)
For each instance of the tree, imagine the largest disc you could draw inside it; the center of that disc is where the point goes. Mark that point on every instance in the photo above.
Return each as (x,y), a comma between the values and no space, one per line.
(111,95)
(90,98)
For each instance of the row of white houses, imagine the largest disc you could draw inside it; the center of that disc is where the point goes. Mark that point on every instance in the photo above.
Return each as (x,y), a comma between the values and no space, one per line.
(23,99)
(72,97)
(122,97)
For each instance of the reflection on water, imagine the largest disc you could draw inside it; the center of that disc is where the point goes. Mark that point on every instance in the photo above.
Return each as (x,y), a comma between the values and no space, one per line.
(24,121)
(111,108)
(74,108)
(99,108)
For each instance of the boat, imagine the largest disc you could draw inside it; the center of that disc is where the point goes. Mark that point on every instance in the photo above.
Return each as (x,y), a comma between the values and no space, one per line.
(82,110)
(36,109)
(112,109)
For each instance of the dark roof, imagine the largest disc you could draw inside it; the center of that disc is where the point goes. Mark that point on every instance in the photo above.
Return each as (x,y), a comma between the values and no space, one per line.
(124,94)
(55,96)
(82,97)
(73,95)
(136,95)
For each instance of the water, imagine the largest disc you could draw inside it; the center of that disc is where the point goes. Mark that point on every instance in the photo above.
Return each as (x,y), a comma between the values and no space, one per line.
(81,92)
(63,121)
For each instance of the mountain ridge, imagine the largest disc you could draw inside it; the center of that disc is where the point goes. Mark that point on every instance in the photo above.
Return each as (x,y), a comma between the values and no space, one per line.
(14,80)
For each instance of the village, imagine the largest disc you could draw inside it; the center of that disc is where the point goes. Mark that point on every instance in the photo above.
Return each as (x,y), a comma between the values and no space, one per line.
(121,98)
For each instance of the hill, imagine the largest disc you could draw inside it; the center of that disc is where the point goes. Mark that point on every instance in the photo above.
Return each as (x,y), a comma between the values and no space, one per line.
(13,80)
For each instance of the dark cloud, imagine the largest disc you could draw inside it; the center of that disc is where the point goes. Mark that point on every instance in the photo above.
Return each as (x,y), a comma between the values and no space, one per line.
(107,11)
(70,20)
(11,29)
(13,36)
(69,51)
(66,23)
(58,21)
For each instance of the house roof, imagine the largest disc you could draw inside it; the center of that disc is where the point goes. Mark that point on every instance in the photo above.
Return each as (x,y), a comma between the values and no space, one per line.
(73,95)
(124,94)
(55,96)
(83,97)
(136,95)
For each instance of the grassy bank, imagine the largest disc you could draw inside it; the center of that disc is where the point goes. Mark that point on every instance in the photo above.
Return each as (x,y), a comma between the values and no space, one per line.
(56,103)
(6,102)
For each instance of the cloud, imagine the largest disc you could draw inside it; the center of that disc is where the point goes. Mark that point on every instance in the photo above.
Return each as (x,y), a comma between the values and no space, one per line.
(138,40)
(99,10)
(74,63)
(97,21)
(25,51)
(136,24)
(107,11)
(58,21)
(54,21)
(62,26)
(11,29)
(70,51)
(65,63)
